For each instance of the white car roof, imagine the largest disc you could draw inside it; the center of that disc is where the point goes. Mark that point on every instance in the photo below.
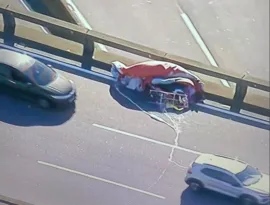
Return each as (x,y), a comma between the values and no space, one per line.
(232,165)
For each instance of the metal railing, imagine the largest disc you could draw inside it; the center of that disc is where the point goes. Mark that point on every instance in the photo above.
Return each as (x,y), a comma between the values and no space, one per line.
(234,98)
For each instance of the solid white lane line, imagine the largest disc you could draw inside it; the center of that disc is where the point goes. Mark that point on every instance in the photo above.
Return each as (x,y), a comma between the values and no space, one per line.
(83,21)
(100,179)
(199,40)
(28,8)
(183,15)
(146,139)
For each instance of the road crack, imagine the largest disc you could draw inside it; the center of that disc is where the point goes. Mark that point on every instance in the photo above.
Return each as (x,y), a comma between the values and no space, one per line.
(175,125)
(160,177)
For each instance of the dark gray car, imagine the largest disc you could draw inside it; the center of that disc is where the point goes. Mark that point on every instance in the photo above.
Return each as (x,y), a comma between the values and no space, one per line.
(26,77)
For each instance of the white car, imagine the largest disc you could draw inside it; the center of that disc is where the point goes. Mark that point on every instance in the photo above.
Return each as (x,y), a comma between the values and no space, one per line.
(229,176)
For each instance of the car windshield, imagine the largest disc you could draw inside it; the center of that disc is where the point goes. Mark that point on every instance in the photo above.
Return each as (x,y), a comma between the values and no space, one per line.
(249,175)
(40,74)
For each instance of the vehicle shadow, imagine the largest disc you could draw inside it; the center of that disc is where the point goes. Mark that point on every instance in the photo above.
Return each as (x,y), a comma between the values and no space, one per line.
(21,113)
(205,198)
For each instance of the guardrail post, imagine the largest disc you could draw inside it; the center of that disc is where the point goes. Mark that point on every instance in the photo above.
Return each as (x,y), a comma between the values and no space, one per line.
(9,28)
(88,51)
(239,96)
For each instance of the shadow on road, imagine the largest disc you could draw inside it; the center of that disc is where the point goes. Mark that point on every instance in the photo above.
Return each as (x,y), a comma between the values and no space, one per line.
(205,198)
(20,113)
(139,98)
(143,100)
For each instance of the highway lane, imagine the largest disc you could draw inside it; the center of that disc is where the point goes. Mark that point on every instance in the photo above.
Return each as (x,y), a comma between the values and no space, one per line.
(236,32)
(29,135)
(155,24)
(46,185)
(69,140)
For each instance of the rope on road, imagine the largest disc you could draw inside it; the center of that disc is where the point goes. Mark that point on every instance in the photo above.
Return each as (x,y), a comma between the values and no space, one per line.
(155,117)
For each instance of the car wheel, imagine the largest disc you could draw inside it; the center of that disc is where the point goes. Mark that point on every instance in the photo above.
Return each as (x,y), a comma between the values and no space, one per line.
(195,185)
(248,200)
(44,103)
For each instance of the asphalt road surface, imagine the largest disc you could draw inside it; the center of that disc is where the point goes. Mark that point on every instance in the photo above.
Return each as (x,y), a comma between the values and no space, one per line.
(106,151)
(235,32)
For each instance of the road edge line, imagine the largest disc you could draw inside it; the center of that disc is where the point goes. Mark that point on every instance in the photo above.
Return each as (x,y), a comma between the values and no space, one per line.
(83,21)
